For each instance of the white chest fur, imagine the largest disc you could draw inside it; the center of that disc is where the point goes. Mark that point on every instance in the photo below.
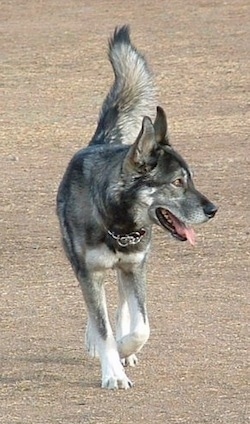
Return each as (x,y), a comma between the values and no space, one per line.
(103,258)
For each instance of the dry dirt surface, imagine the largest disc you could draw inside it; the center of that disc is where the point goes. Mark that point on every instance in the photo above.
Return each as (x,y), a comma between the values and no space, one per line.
(54,76)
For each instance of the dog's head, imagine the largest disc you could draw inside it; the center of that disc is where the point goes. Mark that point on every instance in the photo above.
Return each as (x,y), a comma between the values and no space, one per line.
(164,182)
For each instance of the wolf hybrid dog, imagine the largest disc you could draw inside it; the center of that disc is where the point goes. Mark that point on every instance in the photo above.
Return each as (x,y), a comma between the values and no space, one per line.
(128,178)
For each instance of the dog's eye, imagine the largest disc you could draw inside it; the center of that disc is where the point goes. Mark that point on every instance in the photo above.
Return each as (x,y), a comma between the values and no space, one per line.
(178,182)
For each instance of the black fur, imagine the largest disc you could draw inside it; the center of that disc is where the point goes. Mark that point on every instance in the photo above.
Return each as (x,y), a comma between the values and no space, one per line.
(113,191)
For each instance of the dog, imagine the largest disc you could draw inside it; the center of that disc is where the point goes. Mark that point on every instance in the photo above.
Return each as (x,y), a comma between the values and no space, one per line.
(128,178)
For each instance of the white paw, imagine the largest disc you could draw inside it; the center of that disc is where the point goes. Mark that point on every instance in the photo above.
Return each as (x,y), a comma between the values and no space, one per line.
(132,343)
(113,374)
(130,361)
(114,383)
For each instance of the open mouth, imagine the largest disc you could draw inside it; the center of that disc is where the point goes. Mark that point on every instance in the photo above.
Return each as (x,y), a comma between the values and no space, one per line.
(176,227)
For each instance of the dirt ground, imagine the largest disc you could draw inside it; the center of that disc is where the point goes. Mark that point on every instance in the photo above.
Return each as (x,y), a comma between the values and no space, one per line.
(54,76)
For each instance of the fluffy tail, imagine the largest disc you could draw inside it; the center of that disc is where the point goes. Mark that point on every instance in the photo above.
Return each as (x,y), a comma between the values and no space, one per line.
(132,95)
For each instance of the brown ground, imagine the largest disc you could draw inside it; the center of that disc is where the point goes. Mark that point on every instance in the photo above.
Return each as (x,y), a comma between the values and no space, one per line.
(54,77)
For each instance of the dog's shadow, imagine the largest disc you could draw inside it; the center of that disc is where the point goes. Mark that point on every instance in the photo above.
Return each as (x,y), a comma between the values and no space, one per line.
(45,374)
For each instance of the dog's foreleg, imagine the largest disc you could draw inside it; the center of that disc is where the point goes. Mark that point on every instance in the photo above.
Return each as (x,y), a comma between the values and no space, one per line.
(123,324)
(122,315)
(99,335)
(132,293)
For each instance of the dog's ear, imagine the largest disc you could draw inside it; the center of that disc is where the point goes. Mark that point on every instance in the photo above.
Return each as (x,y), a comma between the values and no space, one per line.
(161,127)
(140,157)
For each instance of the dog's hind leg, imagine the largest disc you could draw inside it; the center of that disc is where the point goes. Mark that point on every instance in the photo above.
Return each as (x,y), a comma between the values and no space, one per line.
(99,337)
(132,293)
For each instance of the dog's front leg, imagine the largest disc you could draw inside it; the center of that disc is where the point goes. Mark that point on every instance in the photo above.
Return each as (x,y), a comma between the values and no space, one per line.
(99,337)
(132,293)
(123,324)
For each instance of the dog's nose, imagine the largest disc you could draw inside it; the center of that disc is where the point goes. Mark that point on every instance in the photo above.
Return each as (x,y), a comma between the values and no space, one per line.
(210,210)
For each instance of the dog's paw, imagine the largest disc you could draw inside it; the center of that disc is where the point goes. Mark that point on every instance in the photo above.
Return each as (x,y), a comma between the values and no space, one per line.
(114,383)
(130,361)
(113,374)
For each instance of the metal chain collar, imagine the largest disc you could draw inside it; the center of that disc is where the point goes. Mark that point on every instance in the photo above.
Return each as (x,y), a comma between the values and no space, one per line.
(126,239)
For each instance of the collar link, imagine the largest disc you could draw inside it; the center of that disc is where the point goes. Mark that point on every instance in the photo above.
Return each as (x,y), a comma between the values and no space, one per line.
(128,239)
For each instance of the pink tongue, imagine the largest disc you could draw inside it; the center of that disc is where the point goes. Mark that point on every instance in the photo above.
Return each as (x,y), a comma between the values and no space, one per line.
(184,231)
(190,234)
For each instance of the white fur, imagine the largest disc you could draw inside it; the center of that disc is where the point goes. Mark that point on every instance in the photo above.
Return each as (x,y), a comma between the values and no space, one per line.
(113,375)
(132,332)
(102,258)
(123,327)
(134,340)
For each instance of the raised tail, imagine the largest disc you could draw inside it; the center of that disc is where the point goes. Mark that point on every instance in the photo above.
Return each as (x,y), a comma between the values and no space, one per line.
(132,95)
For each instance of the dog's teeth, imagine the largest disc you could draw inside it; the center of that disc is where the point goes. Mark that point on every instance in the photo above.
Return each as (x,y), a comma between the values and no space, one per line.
(167,217)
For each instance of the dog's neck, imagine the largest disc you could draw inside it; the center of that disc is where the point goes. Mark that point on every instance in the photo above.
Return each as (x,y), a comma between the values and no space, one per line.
(132,238)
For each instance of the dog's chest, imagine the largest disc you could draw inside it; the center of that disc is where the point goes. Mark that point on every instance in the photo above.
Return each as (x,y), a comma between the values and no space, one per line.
(103,258)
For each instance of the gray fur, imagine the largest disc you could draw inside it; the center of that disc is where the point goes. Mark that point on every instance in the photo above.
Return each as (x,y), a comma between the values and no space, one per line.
(127,179)
(132,95)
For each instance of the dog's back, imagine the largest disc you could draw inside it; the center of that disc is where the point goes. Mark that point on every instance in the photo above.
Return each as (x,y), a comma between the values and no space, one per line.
(112,192)
(131,97)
